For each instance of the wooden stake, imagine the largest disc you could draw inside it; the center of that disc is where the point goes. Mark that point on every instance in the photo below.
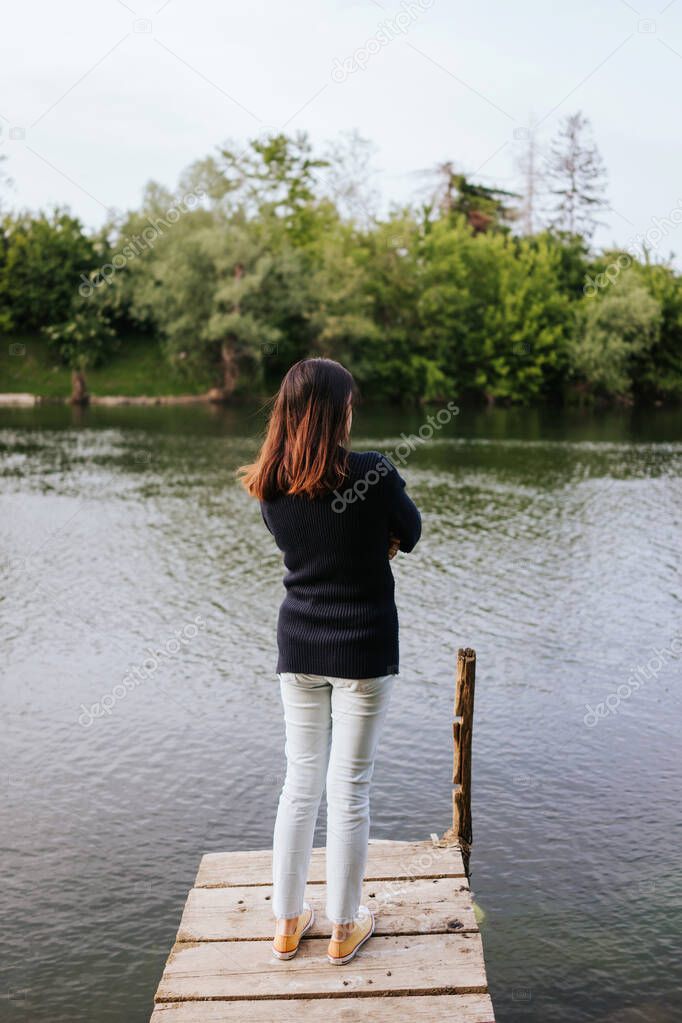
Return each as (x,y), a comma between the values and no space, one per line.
(462,731)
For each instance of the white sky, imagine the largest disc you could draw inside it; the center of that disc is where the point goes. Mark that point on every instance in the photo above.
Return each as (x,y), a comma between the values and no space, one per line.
(110,94)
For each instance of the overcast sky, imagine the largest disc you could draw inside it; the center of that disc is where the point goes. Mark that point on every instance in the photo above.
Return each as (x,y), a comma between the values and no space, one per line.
(99,97)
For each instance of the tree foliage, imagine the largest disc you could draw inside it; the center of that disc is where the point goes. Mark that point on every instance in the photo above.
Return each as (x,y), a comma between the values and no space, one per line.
(616,329)
(271,252)
(42,258)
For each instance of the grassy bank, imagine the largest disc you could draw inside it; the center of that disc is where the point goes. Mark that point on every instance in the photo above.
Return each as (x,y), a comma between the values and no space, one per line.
(138,368)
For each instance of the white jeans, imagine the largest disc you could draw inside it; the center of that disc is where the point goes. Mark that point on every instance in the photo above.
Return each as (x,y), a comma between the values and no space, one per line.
(332,732)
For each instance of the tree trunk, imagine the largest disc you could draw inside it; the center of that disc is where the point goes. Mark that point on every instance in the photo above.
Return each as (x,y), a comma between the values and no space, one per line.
(79,389)
(229,367)
(229,372)
(229,362)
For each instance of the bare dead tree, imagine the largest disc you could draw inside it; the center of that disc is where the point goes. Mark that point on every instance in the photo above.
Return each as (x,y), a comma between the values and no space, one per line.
(530,169)
(576,177)
(5,180)
(348,177)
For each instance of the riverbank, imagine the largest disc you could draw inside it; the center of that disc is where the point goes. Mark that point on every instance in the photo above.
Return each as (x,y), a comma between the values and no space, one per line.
(137,373)
(22,400)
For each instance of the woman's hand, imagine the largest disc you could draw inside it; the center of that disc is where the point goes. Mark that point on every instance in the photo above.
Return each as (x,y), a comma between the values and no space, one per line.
(393,546)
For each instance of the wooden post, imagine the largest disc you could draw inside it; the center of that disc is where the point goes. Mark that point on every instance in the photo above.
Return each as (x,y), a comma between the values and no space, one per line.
(462,729)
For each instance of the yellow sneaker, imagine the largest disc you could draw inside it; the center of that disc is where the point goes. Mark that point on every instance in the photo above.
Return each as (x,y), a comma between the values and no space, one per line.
(285,946)
(340,952)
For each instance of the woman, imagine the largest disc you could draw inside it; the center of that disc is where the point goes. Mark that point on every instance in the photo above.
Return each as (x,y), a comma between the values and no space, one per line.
(338,516)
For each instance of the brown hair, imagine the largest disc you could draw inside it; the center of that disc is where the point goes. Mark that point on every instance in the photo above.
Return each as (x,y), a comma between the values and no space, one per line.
(302,452)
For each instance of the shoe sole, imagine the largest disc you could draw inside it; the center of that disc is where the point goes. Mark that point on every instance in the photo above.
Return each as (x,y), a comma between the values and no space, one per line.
(347,959)
(290,955)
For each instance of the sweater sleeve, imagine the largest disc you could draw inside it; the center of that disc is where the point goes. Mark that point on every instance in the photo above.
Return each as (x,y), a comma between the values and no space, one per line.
(403,515)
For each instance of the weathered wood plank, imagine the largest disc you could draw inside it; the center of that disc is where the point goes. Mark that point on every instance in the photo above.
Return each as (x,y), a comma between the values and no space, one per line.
(389,1009)
(427,963)
(385,860)
(413,906)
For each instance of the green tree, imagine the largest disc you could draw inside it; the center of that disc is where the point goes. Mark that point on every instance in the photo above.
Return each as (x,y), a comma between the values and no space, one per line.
(484,208)
(340,314)
(84,340)
(492,313)
(657,369)
(267,296)
(272,178)
(207,287)
(616,328)
(44,257)
(392,359)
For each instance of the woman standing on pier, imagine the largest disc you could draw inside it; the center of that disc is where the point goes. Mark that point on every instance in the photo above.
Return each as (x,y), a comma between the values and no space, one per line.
(339,517)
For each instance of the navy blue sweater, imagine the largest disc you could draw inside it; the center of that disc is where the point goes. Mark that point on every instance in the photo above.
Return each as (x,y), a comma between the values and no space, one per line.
(339,616)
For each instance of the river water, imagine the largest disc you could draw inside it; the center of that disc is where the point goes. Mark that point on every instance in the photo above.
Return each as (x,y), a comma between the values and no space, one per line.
(551,544)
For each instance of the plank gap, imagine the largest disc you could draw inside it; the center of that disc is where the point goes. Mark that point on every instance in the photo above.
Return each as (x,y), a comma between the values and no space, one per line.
(473,989)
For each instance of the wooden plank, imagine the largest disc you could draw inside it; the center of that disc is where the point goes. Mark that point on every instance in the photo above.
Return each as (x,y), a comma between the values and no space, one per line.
(413,906)
(390,964)
(385,860)
(390,1009)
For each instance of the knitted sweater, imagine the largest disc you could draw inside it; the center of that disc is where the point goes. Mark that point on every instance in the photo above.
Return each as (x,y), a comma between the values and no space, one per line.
(339,617)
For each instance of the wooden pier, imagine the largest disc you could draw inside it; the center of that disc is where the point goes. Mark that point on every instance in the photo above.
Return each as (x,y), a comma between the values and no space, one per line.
(424,961)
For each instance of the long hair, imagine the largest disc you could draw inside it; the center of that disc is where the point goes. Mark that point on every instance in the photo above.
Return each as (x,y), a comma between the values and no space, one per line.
(302,452)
